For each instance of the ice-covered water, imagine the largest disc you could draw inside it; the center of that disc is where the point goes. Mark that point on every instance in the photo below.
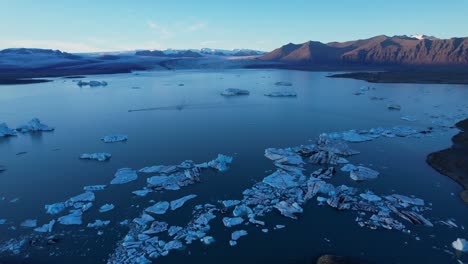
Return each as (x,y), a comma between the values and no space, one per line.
(177,122)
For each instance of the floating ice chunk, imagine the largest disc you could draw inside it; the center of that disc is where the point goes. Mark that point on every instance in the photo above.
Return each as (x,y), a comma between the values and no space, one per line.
(92,188)
(238,234)
(353,136)
(174,230)
(34,125)
(281,94)
(124,175)
(180,202)
(460,244)
(46,228)
(114,138)
(370,196)
(84,197)
(408,118)
(234,92)
(348,168)
(281,180)
(91,83)
(159,208)
(221,162)
(230,222)
(449,223)
(156,228)
(265,230)
(143,219)
(230,203)
(2,221)
(29,223)
(74,218)
(208,240)
(232,243)
(141,193)
(98,223)
(153,169)
(402,131)
(106,208)
(363,173)
(394,107)
(242,210)
(283,84)
(55,208)
(289,209)
(13,245)
(5,131)
(172,245)
(404,200)
(284,156)
(96,156)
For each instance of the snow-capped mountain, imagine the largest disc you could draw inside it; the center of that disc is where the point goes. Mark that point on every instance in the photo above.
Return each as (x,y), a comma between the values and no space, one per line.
(422,36)
(201,52)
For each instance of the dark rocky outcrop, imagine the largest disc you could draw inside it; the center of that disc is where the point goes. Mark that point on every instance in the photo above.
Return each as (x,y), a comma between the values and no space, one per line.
(453,162)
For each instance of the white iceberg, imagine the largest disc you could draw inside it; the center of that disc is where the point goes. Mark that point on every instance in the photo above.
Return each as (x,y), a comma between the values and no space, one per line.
(238,234)
(176,204)
(221,162)
(460,244)
(96,156)
(74,218)
(114,138)
(281,180)
(230,203)
(362,173)
(124,175)
(370,196)
(234,92)
(34,125)
(230,222)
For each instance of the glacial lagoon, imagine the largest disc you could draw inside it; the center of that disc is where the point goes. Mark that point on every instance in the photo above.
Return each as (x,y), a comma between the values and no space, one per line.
(174,116)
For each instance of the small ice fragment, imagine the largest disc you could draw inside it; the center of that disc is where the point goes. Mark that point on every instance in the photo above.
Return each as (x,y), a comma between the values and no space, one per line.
(46,227)
(289,209)
(92,188)
(106,208)
(84,197)
(144,219)
(230,203)
(2,221)
(281,180)
(29,223)
(152,169)
(124,175)
(460,244)
(232,243)
(370,196)
(98,223)
(208,240)
(176,204)
(230,222)
(141,193)
(265,230)
(55,208)
(408,118)
(234,92)
(238,234)
(96,156)
(348,168)
(394,107)
(114,138)
(363,173)
(280,226)
(353,136)
(159,208)
(74,218)
(221,162)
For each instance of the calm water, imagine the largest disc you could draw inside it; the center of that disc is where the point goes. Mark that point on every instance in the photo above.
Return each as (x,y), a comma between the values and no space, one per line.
(195,122)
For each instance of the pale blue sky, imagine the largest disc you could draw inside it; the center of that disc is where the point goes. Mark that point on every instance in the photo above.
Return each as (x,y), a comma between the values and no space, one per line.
(110,25)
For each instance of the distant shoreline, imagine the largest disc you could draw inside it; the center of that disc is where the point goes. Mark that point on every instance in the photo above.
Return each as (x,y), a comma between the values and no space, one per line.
(421,77)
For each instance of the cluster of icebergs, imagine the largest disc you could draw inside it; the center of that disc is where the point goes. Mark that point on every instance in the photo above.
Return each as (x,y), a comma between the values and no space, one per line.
(34,125)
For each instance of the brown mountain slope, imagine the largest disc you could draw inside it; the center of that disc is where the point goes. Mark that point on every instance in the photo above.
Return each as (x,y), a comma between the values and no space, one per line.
(380,50)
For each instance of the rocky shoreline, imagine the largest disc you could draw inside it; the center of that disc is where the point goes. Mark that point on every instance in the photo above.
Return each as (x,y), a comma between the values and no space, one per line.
(453,162)
(409,76)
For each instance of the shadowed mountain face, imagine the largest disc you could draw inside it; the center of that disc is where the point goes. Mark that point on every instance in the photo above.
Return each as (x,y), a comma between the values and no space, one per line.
(380,50)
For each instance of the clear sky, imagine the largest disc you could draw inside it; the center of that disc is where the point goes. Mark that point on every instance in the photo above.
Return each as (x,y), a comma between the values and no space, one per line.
(111,25)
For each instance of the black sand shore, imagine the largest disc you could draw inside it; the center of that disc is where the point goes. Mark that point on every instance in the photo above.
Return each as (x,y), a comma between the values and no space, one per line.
(453,162)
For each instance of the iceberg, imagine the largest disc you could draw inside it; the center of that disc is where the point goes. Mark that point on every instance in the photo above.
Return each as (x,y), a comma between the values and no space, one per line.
(34,125)
(208,240)
(98,223)
(234,92)
(158,208)
(370,196)
(238,234)
(394,107)
(141,193)
(230,203)
(348,168)
(143,219)
(55,208)
(283,84)
(84,197)
(281,94)
(92,188)
(176,204)
(124,175)
(230,222)
(5,131)
(242,210)
(460,244)
(96,156)
(114,138)
(363,173)
(106,208)
(281,180)
(74,218)
(152,169)
(284,156)
(221,162)
(288,209)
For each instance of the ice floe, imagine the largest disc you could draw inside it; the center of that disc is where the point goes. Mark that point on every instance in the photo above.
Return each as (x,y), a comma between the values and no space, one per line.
(158,208)
(96,156)
(124,175)
(361,173)
(29,223)
(114,138)
(234,92)
(232,221)
(460,244)
(176,204)
(281,94)
(106,208)
(46,228)
(98,223)
(5,131)
(34,125)
(94,188)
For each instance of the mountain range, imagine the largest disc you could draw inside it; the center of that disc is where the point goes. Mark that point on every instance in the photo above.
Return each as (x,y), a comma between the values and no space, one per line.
(415,50)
